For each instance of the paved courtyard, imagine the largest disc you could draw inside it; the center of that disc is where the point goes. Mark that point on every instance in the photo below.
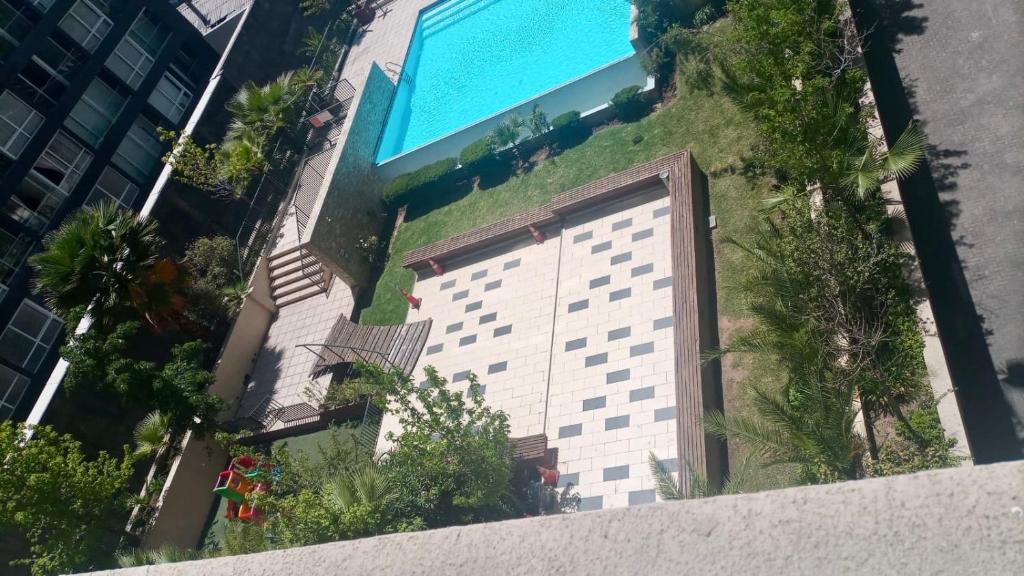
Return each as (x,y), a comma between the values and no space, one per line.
(282,368)
(571,338)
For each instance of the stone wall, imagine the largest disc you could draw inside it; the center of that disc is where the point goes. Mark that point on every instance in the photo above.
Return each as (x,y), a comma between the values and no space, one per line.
(957,521)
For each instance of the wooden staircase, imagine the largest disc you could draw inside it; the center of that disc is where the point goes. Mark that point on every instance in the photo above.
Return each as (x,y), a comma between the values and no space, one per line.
(295,275)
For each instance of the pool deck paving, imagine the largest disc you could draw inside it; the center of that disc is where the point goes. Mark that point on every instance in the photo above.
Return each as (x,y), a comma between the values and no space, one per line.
(570,338)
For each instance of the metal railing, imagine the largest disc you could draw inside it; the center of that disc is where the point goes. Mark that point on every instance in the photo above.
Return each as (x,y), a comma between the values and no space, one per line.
(268,209)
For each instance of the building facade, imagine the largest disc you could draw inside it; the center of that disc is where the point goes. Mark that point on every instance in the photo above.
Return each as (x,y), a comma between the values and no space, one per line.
(84,85)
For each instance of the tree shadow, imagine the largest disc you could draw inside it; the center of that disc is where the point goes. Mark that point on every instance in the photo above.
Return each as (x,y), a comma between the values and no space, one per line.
(898,20)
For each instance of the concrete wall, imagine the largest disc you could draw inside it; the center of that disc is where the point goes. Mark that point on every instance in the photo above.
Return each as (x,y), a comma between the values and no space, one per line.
(349,206)
(584,94)
(959,521)
(187,498)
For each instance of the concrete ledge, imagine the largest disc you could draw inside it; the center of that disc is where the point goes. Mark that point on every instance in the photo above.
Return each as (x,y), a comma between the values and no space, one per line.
(958,521)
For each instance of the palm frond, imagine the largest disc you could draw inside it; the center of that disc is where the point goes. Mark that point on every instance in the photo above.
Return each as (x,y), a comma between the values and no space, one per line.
(152,433)
(665,483)
(132,558)
(905,156)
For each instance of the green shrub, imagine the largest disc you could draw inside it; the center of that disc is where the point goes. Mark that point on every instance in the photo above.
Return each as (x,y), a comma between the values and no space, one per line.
(477,153)
(629,102)
(403,186)
(567,120)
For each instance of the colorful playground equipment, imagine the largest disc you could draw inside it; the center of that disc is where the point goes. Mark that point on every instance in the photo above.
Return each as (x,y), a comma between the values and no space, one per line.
(243,480)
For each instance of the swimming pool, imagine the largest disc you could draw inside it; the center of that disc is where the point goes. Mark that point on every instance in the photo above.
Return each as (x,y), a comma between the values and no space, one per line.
(471,59)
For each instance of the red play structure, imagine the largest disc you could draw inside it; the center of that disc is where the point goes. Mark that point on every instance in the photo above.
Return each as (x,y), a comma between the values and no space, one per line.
(241,483)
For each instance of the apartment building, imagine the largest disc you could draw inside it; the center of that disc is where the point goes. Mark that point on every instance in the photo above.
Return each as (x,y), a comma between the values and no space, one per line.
(84,85)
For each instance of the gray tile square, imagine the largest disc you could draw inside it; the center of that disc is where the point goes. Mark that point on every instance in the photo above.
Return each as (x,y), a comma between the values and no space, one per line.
(461,376)
(582,237)
(503,330)
(575,344)
(643,234)
(447,284)
(453,328)
(641,270)
(641,349)
(474,306)
(613,473)
(478,275)
(511,264)
(595,403)
(570,430)
(641,497)
(667,413)
(602,247)
(590,504)
(460,295)
(577,306)
(622,224)
(598,282)
(670,464)
(620,294)
(493,285)
(662,323)
(665,282)
(566,479)
(467,340)
(638,394)
(617,376)
(661,212)
(491,317)
(596,359)
(621,258)
(616,422)
(497,367)
(619,333)
(434,349)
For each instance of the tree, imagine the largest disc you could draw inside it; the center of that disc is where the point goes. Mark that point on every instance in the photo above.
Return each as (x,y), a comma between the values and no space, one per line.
(152,434)
(57,498)
(223,172)
(538,122)
(259,112)
(739,481)
(106,259)
(452,462)
(507,133)
(178,389)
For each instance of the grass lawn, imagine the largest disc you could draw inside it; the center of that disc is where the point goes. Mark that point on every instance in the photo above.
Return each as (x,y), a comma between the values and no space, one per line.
(701,119)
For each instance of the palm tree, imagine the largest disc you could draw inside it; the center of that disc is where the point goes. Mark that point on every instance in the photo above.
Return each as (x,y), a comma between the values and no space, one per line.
(264,110)
(738,482)
(107,260)
(507,133)
(867,171)
(866,168)
(367,484)
(152,434)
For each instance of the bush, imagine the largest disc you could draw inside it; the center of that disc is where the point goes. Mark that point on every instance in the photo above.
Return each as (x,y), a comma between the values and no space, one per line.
(402,187)
(629,103)
(477,153)
(568,120)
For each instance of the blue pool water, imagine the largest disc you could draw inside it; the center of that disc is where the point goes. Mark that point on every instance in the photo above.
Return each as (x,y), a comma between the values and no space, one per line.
(470,59)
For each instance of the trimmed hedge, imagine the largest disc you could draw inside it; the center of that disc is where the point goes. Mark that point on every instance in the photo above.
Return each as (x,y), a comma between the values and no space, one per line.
(565,120)
(406,184)
(629,102)
(477,153)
